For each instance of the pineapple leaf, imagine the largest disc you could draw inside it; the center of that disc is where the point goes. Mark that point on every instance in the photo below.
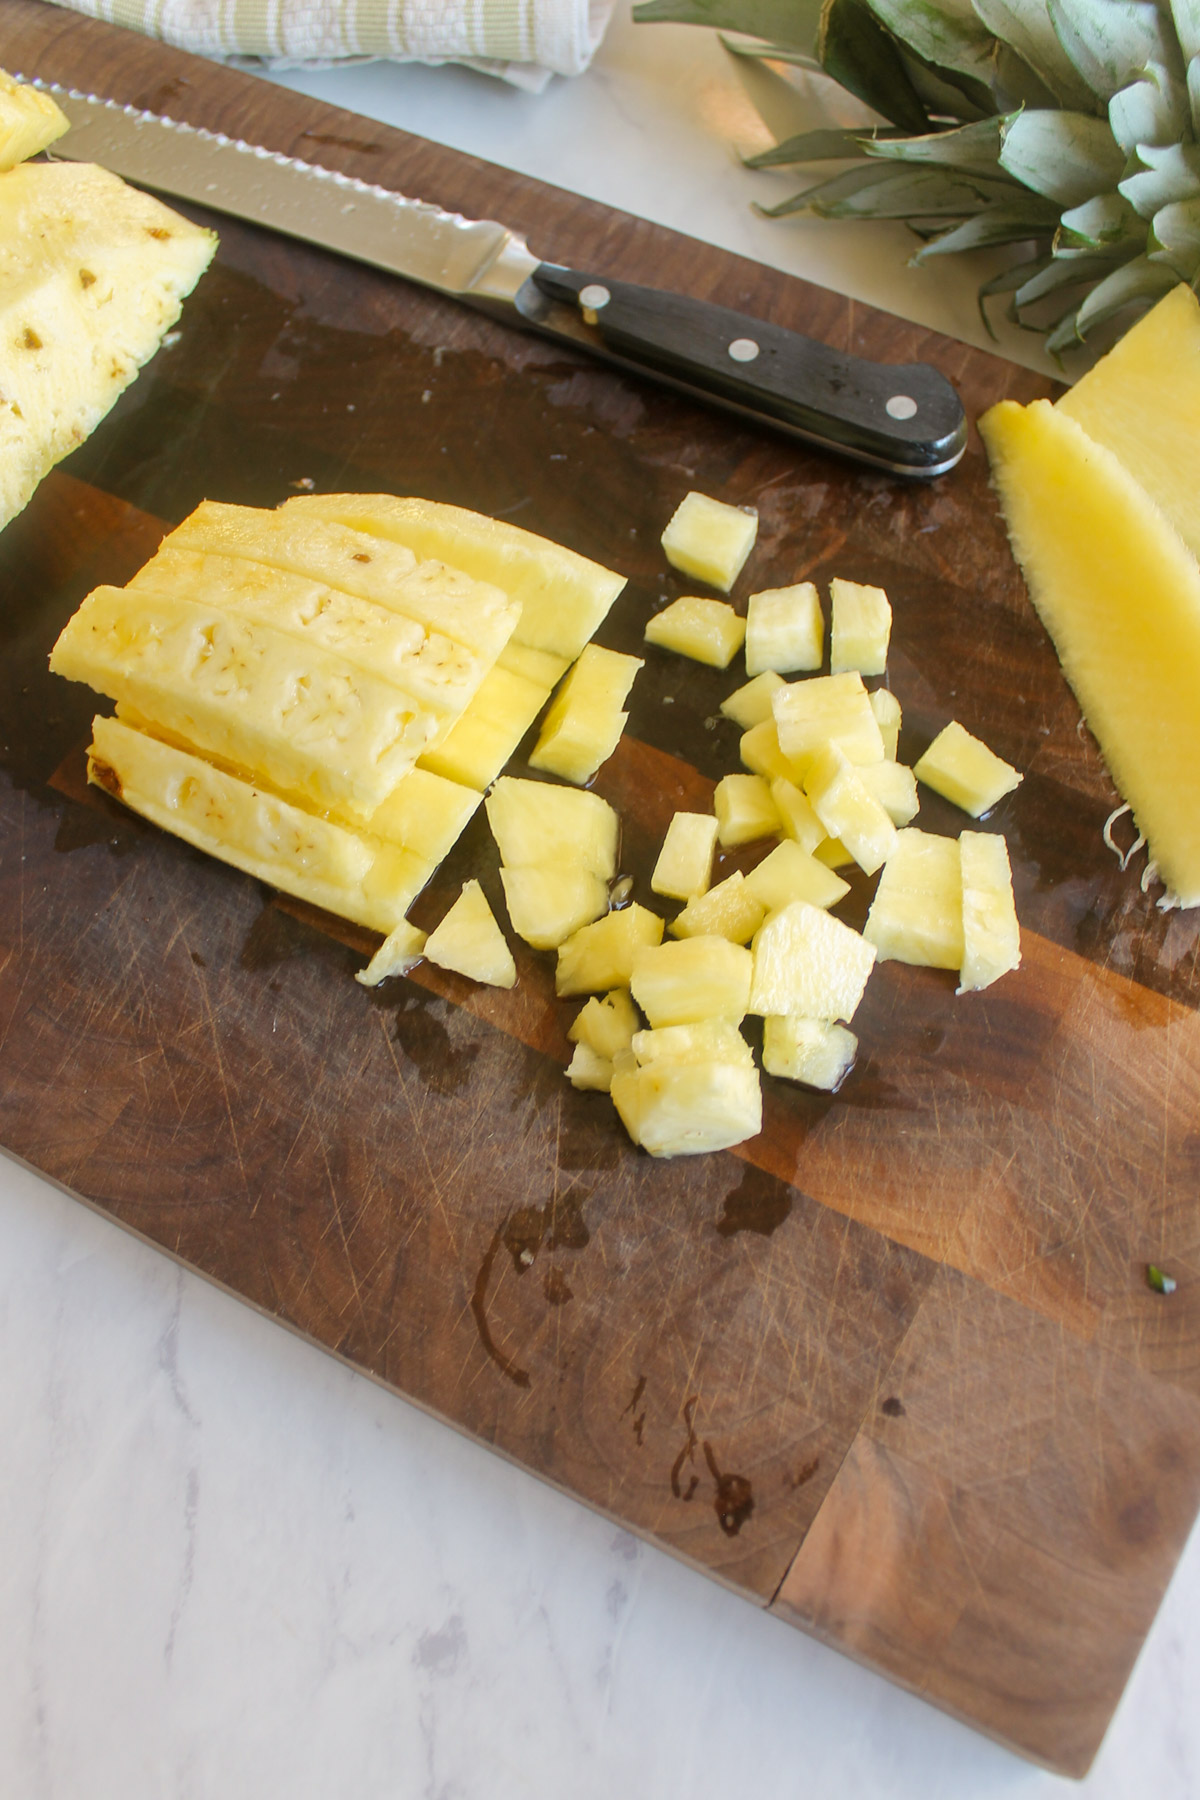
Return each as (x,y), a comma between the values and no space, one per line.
(1172,172)
(1016,84)
(1066,156)
(1097,223)
(784,53)
(1175,237)
(948,36)
(1004,283)
(1186,14)
(1136,282)
(945,95)
(881,193)
(1006,221)
(1026,26)
(1153,110)
(1193,85)
(862,57)
(1063,272)
(830,145)
(789,23)
(973,149)
(1110,44)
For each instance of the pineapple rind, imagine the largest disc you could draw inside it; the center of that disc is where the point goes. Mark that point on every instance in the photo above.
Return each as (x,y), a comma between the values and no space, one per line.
(469,942)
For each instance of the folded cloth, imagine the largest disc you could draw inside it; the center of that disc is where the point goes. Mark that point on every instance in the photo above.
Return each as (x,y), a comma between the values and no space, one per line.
(522,41)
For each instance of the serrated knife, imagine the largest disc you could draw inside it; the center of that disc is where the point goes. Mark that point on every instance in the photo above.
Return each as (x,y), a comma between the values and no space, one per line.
(905,418)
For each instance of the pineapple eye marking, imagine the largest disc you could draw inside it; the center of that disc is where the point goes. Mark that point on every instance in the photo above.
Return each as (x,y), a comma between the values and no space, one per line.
(86,278)
(31,340)
(901,406)
(743,350)
(361,556)
(158,231)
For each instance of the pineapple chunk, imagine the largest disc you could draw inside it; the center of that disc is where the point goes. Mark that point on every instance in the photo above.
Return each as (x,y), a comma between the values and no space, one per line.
(709,631)
(991,935)
(1119,594)
(487,733)
(395,956)
(1142,401)
(745,810)
(960,768)
(600,956)
(605,1026)
(827,709)
(730,910)
(886,708)
(588,1071)
(424,814)
(563,597)
(684,867)
(266,837)
(760,753)
(687,1089)
(808,1050)
(799,820)
(311,723)
(469,942)
(847,811)
(785,630)
(917,913)
(93,275)
(833,853)
(860,629)
(539,823)
(585,721)
(29,121)
(895,788)
(807,962)
(750,704)
(710,540)
(695,978)
(547,903)
(788,873)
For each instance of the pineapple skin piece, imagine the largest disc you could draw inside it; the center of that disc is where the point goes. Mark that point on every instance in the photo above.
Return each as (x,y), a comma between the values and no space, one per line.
(707,631)
(710,540)
(860,629)
(808,1050)
(991,934)
(917,913)
(691,979)
(785,630)
(585,721)
(469,942)
(963,770)
(29,121)
(809,963)
(685,1090)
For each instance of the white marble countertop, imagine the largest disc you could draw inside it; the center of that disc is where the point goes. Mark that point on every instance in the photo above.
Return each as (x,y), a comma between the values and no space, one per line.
(233,1568)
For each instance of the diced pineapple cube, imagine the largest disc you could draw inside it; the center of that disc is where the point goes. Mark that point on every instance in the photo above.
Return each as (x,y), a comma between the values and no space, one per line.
(548,903)
(847,811)
(537,822)
(760,753)
(827,709)
(395,956)
(469,941)
(750,704)
(600,956)
(895,788)
(962,769)
(813,1051)
(709,631)
(785,630)
(29,120)
(606,1025)
(684,867)
(788,873)
(692,979)
(809,963)
(860,630)
(745,810)
(710,540)
(585,720)
(886,708)
(991,935)
(687,1089)
(588,1071)
(729,910)
(487,733)
(917,913)
(799,820)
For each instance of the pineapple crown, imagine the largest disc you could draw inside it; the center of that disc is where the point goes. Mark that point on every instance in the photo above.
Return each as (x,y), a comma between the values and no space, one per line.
(1070,126)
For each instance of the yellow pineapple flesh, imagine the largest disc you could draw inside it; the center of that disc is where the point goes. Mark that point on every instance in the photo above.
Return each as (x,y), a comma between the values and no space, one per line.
(750,704)
(691,979)
(600,956)
(540,823)
(991,935)
(708,631)
(29,121)
(605,1025)
(847,810)
(823,710)
(886,708)
(469,941)
(788,873)
(860,628)
(684,867)
(962,769)
(687,1089)
(710,540)
(745,810)
(729,910)
(547,902)
(807,962)
(917,913)
(585,720)
(397,954)
(785,630)
(811,1051)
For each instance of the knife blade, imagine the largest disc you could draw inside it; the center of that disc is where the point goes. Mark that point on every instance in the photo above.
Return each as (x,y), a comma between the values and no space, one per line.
(905,418)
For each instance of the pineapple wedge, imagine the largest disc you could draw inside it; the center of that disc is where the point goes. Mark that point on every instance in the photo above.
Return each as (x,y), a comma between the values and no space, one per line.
(730,910)
(600,956)
(469,942)
(917,913)
(894,787)
(684,867)
(585,721)
(750,704)
(425,814)
(710,540)
(991,935)
(788,873)
(693,979)
(536,823)
(808,1050)
(823,710)
(709,631)
(809,963)
(860,629)
(785,630)
(687,1089)
(93,274)
(759,751)
(547,903)
(745,810)
(487,733)
(29,121)
(588,1071)
(963,770)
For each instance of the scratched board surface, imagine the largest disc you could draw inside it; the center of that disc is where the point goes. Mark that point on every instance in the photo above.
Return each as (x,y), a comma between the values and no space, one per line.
(891,1369)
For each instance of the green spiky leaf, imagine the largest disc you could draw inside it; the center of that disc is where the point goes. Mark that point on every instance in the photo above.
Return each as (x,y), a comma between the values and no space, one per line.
(835,144)
(786,22)
(1151,111)
(973,149)
(1006,221)
(1027,27)
(1065,156)
(862,57)
(1111,43)
(883,193)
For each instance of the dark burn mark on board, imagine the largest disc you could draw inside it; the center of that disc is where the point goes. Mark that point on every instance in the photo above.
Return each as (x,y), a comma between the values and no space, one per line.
(557,1288)
(760,1203)
(733,1501)
(893,1406)
(559,1225)
(687,1454)
(638,1418)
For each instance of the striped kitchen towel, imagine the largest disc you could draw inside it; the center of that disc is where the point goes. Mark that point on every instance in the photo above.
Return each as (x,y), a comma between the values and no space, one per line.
(522,41)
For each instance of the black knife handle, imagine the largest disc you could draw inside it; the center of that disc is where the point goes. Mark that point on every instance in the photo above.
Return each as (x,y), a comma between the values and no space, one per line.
(903,417)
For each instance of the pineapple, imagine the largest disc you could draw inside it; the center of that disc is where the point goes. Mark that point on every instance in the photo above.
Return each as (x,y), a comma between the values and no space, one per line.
(684,867)
(808,1050)
(785,630)
(605,1025)
(29,121)
(93,274)
(833,853)
(807,962)
(692,979)
(827,709)
(847,810)
(861,625)
(709,631)
(787,873)
(710,540)
(425,814)
(760,753)
(745,810)
(917,913)
(962,769)
(886,708)
(750,704)
(548,902)
(799,820)
(601,956)
(894,787)
(585,721)
(991,935)
(538,823)
(729,910)
(487,733)
(1119,593)
(588,1071)
(395,956)
(687,1089)
(469,941)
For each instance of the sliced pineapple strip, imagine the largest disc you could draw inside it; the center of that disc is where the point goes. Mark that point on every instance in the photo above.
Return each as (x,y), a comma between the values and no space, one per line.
(729,910)
(29,121)
(536,823)
(962,769)
(709,631)
(750,704)
(710,540)
(424,813)
(745,810)
(600,956)
(760,753)
(799,820)
(469,942)
(917,913)
(684,867)
(585,721)
(788,873)
(895,788)
(823,710)
(692,979)
(808,1050)
(991,935)
(486,735)
(809,963)
(860,629)
(785,630)
(687,1089)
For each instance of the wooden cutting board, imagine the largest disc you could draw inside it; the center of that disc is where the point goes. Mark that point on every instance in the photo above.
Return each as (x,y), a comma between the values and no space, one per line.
(892,1369)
